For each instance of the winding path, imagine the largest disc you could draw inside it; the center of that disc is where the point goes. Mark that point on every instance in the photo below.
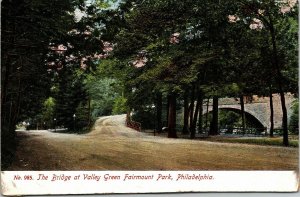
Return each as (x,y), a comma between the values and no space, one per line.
(112,146)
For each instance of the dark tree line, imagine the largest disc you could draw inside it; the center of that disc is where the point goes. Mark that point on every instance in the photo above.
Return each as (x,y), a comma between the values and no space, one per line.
(208,49)
(34,38)
(27,29)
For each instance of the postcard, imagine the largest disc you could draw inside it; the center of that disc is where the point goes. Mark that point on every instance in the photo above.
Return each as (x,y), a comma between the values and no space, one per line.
(148,96)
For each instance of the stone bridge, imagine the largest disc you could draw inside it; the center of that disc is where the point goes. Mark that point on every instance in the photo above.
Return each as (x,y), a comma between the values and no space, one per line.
(258,109)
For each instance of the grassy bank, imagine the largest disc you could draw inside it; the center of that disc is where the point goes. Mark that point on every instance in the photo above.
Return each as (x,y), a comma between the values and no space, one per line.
(276,141)
(268,141)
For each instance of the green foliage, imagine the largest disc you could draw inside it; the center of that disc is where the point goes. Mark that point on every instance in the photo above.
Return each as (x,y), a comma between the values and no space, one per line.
(294,120)
(102,92)
(105,3)
(103,86)
(229,120)
(120,105)
(27,30)
(82,121)
(146,117)
(48,112)
(68,97)
(220,58)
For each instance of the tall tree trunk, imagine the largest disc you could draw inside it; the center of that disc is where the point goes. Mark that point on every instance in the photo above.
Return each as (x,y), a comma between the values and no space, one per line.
(10,119)
(194,123)
(206,115)
(200,122)
(172,117)
(159,112)
(279,78)
(4,85)
(89,111)
(168,105)
(243,113)
(5,102)
(185,129)
(192,105)
(284,120)
(271,114)
(214,122)
(15,103)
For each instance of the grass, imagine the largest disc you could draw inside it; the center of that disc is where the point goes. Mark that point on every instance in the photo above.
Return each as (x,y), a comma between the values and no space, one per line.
(108,148)
(275,141)
(268,141)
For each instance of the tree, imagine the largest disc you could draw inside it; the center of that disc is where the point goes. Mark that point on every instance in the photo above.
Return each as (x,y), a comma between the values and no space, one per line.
(185,129)
(70,95)
(271,15)
(39,39)
(214,129)
(103,92)
(159,104)
(120,106)
(159,69)
(27,30)
(195,117)
(48,112)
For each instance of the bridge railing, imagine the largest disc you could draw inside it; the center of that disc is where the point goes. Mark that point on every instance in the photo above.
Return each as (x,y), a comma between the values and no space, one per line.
(132,124)
(279,131)
(246,131)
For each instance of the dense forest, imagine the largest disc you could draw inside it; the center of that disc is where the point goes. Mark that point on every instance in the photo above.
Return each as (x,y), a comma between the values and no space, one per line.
(67,62)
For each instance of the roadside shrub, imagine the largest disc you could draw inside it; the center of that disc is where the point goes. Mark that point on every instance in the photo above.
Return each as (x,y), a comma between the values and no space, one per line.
(146,118)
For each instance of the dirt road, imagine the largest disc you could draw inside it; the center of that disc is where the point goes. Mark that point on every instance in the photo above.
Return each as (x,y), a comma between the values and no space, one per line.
(112,146)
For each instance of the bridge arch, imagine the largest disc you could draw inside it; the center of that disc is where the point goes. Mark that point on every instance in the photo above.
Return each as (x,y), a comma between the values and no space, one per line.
(258,108)
(249,115)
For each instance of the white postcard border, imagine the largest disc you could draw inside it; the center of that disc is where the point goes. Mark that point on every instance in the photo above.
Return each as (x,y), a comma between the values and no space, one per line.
(99,182)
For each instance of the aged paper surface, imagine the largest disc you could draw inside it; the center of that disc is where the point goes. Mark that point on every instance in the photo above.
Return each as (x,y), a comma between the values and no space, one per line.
(93,182)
